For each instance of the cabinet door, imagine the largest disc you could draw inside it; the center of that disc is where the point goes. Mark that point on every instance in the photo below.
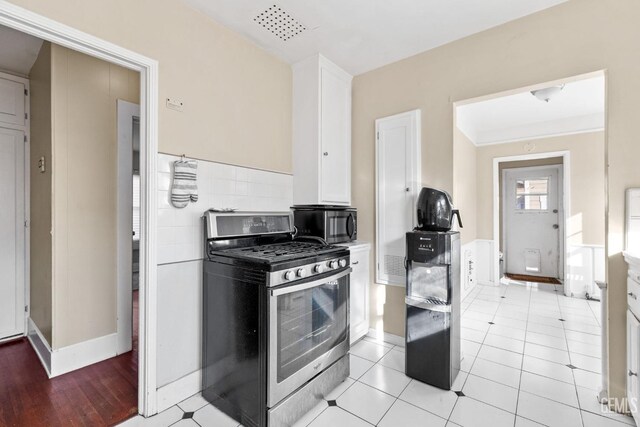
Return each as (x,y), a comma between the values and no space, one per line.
(11,102)
(633,331)
(359,294)
(335,138)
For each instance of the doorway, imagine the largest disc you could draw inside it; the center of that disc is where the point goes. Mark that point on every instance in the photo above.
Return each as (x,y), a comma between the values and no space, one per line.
(532,221)
(22,20)
(128,228)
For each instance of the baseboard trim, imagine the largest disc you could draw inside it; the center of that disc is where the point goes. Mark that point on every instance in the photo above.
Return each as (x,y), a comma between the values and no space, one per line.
(70,358)
(179,390)
(40,345)
(76,356)
(386,337)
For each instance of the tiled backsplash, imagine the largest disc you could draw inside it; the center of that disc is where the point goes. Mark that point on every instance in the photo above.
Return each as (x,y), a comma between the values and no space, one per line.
(180,231)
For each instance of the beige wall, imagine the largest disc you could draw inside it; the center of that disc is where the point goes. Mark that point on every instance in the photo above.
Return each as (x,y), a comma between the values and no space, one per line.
(85,91)
(40,193)
(465,194)
(237,97)
(586,164)
(574,38)
(74,125)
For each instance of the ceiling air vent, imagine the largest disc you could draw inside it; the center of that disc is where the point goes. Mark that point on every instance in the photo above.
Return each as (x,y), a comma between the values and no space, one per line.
(279,23)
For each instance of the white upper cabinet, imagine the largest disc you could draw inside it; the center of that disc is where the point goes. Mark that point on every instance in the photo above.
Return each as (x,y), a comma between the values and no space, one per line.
(321,133)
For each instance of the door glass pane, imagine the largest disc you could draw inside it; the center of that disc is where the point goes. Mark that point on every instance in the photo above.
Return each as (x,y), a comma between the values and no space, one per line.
(532,194)
(530,202)
(310,322)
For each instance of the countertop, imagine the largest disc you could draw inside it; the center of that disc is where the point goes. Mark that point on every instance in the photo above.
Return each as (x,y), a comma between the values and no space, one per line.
(355,244)
(632,258)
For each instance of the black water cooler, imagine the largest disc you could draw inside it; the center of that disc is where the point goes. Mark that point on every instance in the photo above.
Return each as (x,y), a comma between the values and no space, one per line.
(433,296)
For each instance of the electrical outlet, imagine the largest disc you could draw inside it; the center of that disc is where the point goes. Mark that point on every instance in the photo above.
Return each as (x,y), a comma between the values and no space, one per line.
(174,104)
(42,164)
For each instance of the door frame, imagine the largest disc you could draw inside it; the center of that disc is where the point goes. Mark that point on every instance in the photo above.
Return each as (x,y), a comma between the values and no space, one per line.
(47,29)
(562,232)
(415,146)
(566,207)
(26,129)
(126,111)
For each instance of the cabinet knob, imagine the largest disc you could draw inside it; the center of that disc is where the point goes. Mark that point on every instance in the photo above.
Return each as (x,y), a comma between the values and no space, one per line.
(632,374)
(326,153)
(355,262)
(632,295)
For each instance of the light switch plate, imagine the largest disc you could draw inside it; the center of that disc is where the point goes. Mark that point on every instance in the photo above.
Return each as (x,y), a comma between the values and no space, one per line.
(174,104)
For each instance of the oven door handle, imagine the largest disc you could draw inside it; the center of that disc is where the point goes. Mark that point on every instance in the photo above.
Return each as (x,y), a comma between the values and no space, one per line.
(303,286)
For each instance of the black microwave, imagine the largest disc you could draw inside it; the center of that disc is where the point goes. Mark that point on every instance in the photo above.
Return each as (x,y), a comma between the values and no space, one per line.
(335,224)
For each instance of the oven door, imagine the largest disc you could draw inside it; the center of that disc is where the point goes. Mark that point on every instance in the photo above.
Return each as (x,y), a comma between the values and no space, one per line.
(308,331)
(340,226)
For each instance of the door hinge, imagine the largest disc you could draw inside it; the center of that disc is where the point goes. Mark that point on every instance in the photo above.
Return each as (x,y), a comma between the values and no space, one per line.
(377,135)
(26,116)
(26,308)
(26,92)
(25,138)
(26,223)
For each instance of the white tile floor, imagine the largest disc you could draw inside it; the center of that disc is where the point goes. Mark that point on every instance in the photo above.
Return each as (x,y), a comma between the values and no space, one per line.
(518,342)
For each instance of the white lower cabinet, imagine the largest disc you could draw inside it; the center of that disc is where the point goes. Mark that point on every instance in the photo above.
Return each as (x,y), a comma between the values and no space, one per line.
(633,363)
(359,290)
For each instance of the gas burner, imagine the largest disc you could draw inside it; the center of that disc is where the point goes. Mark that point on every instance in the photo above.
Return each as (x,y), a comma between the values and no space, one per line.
(281,251)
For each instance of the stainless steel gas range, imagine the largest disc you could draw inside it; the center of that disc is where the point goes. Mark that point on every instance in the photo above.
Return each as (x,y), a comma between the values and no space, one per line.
(276,318)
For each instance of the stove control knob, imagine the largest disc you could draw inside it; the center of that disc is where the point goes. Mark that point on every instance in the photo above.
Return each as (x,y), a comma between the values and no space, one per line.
(342,262)
(301,272)
(318,268)
(288,275)
(333,265)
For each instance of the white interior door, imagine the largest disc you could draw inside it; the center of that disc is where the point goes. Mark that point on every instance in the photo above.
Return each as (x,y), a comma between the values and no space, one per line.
(12,233)
(397,186)
(532,220)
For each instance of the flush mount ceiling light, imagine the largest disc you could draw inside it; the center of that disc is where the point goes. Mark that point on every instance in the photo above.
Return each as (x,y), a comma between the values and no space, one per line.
(279,22)
(547,93)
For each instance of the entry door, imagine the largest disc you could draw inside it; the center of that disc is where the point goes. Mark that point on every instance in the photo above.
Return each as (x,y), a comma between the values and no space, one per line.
(397,185)
(532,220)
(12,233)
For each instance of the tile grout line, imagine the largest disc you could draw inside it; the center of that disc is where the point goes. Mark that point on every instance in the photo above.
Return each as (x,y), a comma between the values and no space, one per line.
(522,361)
(575,385)
(475,358)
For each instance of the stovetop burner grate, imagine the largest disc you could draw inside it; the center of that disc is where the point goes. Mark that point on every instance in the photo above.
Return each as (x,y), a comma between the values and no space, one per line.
(280,251)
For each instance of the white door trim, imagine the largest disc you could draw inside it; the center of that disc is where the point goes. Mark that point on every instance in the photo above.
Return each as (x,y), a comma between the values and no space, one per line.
(561,234)
(31,23)
(126,112)
(416,172)
(566,205)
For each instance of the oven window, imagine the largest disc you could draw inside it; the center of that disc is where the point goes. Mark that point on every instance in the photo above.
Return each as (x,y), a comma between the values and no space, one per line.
(310,323)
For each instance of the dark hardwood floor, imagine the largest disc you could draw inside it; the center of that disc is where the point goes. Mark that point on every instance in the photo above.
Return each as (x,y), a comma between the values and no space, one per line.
(102,394)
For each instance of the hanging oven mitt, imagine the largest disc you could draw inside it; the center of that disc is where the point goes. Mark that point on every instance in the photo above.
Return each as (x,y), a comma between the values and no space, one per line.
(184,187)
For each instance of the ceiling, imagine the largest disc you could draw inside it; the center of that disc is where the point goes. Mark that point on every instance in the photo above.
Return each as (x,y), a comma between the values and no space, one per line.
(18,51)
(360,35)
(579,107)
